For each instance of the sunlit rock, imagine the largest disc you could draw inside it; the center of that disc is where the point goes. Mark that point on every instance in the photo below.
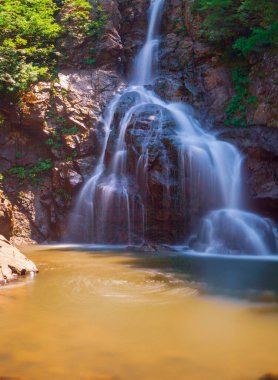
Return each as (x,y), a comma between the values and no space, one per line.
(13,262)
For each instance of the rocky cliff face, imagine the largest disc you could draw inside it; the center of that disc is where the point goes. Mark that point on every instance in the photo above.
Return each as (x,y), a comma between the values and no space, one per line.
(193,71)
(50,143)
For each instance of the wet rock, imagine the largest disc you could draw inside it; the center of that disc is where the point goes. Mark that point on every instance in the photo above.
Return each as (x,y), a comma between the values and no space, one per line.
(133,28)
(202,51)
(67,177)
(218,89)
(269,376)
(156,248)
(151,134)
(265,89)
(170,88)
(176,53)
(127,101)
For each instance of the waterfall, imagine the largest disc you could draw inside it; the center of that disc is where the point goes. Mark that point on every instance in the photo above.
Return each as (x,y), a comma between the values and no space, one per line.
(147,60)
(113,206)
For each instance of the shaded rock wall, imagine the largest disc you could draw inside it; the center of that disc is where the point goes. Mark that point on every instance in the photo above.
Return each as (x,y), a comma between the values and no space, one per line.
(194,72)
(203,76)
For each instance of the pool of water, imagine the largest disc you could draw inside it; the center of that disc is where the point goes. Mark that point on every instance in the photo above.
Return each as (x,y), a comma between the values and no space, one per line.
(107,315)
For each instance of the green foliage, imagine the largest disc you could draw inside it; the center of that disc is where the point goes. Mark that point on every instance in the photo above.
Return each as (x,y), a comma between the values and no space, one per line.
(237,108)
(76,16)
(71,157)
(95,29)
(18,155)
(258,40)
(28,34)
(178,26)
(63,194)
(220,19)
(96,25)
(56,135)
(77,21)
(90,61)
(55,141)
(240,27)
(80,19)
(32,173)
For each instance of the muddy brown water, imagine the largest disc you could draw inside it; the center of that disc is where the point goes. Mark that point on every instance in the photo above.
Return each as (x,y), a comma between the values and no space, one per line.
(100,316)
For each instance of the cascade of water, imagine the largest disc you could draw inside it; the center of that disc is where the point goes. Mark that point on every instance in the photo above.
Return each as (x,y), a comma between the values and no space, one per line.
(233,231)
(112,207)
(146,62)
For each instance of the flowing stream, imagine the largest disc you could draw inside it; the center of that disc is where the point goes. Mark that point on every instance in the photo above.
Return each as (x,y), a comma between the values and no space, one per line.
(113,206)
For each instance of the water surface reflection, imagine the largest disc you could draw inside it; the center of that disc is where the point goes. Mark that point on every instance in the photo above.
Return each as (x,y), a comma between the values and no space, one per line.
(116,316)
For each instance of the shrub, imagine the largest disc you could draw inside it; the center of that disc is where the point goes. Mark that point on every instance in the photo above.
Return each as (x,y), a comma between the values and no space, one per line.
(239,26)
(258,40)
(75,16)
(28,33)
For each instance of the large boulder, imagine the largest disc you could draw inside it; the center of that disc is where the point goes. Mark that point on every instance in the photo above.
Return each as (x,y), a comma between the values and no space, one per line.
(152,151)
(13,263)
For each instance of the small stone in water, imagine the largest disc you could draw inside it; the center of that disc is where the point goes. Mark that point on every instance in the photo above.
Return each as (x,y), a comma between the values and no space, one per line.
(269,376)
